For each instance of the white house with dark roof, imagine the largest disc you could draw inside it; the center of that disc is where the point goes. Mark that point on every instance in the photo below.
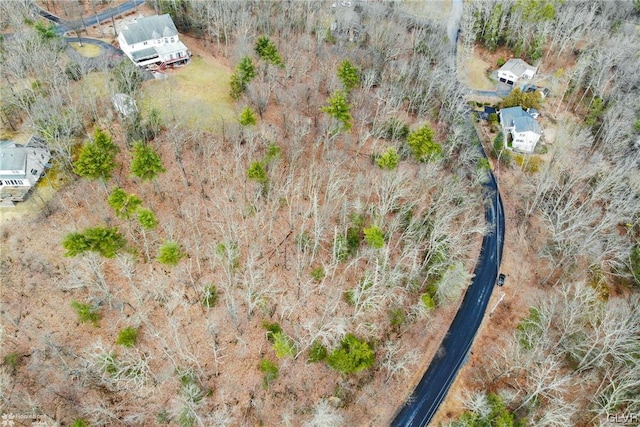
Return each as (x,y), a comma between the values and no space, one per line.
(153,41)
(521,131)
(21,166)
(514,70)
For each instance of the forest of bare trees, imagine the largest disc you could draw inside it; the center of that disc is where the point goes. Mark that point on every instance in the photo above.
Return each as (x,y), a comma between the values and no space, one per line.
(573,359)
(293,267)
(277,271)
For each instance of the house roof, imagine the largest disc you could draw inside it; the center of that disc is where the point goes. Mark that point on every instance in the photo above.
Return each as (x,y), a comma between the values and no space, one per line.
(171,48)
(148,53)
(149,28)
(517,66)
(13,160)
(519,119)
(527,124)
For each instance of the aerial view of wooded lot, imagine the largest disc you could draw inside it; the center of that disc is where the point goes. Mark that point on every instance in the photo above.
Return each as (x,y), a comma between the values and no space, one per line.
(269,213)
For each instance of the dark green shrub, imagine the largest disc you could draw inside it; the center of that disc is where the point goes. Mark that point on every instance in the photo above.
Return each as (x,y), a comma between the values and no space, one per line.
(11,361)
(147,218)
(397,317)
(170,253)
(244,72)
(318,273)
(257,172)
(273,152)
(338,107)
(146,163)
(268,51)
(348,75)
(354,237)
(272,329)
(96,159)
(496,415)
(389,159)
(210,298)
(123,203)
(248,117)
(393,130)
(317,352)
(270,371)
(428,301)
(127,337)
(352,356)
(86,313)
(374,237)
(283,345)
(423,146)
(349,297)
(529,328)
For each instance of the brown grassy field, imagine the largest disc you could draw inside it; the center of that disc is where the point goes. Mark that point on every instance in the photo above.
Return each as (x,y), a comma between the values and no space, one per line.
(196,95)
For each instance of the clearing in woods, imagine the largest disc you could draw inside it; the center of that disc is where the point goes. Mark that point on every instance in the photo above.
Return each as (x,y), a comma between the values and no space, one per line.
(196,95)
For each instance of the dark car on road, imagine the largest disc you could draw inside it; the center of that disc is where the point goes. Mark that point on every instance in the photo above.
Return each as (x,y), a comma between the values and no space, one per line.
(500,281)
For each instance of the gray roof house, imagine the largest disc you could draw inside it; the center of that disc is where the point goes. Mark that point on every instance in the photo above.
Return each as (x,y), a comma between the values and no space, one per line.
(521,131)
(153,41)
(515,69)
(21,166)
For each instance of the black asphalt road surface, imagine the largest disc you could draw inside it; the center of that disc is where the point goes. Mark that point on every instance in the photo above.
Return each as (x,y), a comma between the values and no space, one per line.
(453,352)
(63,26)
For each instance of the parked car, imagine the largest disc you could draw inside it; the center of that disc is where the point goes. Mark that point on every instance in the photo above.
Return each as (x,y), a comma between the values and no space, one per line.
(501,278)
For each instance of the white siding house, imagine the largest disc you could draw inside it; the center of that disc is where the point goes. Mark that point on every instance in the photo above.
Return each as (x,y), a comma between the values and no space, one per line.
(521,131)
(153,41)
(515,69)
(21,166)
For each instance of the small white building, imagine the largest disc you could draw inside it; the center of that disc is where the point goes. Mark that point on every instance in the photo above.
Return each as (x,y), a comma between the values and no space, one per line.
(521,131)
(153,41)
(21,166)
(514,70)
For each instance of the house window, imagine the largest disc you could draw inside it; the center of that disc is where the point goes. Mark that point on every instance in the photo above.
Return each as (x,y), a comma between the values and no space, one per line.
(145,43)
(34,172)
(171,39)
(166,40)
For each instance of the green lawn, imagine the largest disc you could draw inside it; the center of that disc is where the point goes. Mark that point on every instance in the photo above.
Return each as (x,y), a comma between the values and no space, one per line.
(87,50)
(196,95)
(435,9)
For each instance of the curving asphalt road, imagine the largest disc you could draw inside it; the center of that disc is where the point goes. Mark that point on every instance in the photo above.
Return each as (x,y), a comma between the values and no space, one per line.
(63,26)
(454,350)
(109,53)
